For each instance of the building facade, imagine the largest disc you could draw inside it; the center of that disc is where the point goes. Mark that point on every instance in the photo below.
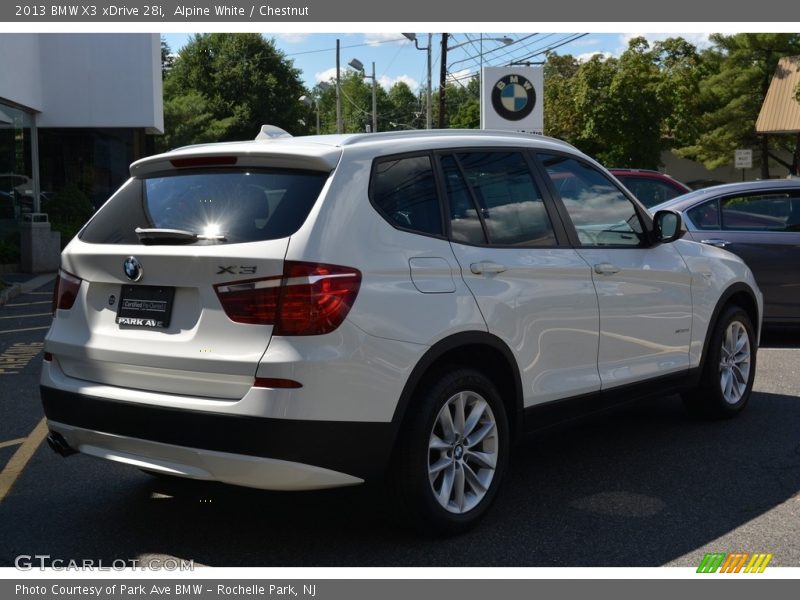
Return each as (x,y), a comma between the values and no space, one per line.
(75,111)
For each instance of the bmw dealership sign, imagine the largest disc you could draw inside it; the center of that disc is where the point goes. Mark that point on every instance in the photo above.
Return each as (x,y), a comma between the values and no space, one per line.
(511,99)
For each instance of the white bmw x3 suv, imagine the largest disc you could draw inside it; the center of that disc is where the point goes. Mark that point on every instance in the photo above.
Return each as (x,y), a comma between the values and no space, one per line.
(304,313)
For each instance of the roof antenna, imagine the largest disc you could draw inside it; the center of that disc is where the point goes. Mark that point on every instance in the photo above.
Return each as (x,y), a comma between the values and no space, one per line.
(270,132)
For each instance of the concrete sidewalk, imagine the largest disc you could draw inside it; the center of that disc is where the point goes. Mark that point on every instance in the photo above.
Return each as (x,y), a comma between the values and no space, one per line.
(20,283)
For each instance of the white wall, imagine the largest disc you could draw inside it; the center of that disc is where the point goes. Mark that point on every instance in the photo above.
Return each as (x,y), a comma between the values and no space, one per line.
(685,170)
(19,69)
(85,80)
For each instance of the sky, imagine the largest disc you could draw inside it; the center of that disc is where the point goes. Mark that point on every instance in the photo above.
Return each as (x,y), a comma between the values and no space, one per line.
(397,59)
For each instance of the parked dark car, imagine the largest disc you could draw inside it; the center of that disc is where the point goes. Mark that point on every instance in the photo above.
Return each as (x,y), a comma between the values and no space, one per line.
(759,221)
(650,187)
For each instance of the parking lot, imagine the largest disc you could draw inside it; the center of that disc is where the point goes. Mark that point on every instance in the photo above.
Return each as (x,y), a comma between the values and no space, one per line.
(643,486)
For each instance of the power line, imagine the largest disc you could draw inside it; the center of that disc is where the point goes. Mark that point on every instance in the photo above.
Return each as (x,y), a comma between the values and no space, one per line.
(373,43)
(525,56)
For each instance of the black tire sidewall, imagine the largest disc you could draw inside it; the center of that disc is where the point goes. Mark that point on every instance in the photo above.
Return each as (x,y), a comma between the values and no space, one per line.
(710,388)
(413,484)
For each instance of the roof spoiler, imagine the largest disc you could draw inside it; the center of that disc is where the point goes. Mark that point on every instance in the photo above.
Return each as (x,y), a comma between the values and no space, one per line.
(270,132)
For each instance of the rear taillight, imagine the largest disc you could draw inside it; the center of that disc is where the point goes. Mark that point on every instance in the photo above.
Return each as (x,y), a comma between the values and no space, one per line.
(65,291)
(309,299)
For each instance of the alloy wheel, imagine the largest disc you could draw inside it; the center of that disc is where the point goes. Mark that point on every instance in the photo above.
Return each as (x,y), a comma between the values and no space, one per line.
(734,362)
(462,452)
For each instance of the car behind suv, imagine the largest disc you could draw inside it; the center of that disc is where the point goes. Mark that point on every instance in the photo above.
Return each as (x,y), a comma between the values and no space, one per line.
(650,187)
(303,313)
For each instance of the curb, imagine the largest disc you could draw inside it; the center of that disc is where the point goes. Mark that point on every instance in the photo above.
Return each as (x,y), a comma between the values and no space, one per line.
(15,289)
(10,292)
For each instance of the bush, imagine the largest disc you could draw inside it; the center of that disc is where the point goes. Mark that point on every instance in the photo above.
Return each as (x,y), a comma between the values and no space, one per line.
(9,250)
(68,212)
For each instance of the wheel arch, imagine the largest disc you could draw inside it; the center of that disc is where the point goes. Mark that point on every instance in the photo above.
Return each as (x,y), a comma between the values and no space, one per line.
(738,294)
(474,349)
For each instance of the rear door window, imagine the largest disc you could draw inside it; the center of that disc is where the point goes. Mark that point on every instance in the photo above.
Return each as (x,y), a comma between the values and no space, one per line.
(761,212)
(493,197)
(705,216)
(224,206)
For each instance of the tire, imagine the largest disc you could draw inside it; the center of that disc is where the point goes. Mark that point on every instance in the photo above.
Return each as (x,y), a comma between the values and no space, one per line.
(447,467)
(730,367)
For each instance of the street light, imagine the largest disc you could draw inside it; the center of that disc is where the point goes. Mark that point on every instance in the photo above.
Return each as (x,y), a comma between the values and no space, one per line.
(311,102)
(413,38)
(359,66)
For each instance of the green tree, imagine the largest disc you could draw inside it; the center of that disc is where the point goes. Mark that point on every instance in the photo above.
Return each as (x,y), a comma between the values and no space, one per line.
(625,111)
(462,105)
(166,57)
(224,86)
(740,69)
(356,103)
(638,111)
(560,102)
(403,109)
(682,70)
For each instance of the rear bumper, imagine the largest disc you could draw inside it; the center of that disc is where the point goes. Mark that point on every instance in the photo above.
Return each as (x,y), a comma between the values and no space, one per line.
(262,452)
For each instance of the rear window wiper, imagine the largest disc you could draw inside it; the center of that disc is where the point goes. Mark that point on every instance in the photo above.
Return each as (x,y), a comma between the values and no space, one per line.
(157,235)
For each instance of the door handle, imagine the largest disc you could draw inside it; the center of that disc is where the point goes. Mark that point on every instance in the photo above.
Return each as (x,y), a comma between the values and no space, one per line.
(716,242)
(486,266)
(606,269)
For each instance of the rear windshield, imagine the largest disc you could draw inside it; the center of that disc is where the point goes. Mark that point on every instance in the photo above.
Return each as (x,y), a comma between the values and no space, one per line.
(224,206)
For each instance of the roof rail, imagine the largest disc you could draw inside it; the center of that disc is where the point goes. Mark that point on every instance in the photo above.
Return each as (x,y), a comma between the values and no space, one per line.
(363,138)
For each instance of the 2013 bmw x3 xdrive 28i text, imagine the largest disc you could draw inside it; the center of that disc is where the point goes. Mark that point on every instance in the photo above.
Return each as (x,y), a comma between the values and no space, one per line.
(302,313)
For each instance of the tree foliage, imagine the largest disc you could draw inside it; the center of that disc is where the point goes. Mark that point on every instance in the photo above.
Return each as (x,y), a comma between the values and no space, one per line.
(404,109)
(625,111)
(739,69)
(224,86)
(462,105)
(166,57)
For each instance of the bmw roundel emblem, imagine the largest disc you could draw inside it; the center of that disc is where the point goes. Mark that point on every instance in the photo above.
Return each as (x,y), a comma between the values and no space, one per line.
(133,269)
(513,97)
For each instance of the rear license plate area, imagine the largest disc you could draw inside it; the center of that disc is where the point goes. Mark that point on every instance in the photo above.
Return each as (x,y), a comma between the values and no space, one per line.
(145,306)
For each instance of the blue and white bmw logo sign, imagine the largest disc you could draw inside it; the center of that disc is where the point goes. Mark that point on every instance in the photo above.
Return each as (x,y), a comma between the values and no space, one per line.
(133,269)
(513,97)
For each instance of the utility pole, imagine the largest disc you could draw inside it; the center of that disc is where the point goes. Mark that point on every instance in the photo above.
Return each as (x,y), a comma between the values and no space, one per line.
(374,101)
(428,107)
(442,78)
(338,93)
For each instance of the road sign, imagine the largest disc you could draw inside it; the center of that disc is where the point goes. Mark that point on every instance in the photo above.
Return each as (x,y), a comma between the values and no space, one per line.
(743,159)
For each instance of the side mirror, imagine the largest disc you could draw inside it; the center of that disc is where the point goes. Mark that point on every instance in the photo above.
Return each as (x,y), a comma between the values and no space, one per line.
(668,226)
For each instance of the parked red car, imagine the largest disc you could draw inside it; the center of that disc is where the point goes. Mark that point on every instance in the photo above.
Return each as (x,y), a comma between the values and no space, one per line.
(650,187)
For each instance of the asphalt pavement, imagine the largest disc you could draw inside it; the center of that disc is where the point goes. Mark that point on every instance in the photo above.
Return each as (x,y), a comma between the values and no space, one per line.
(643,486)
